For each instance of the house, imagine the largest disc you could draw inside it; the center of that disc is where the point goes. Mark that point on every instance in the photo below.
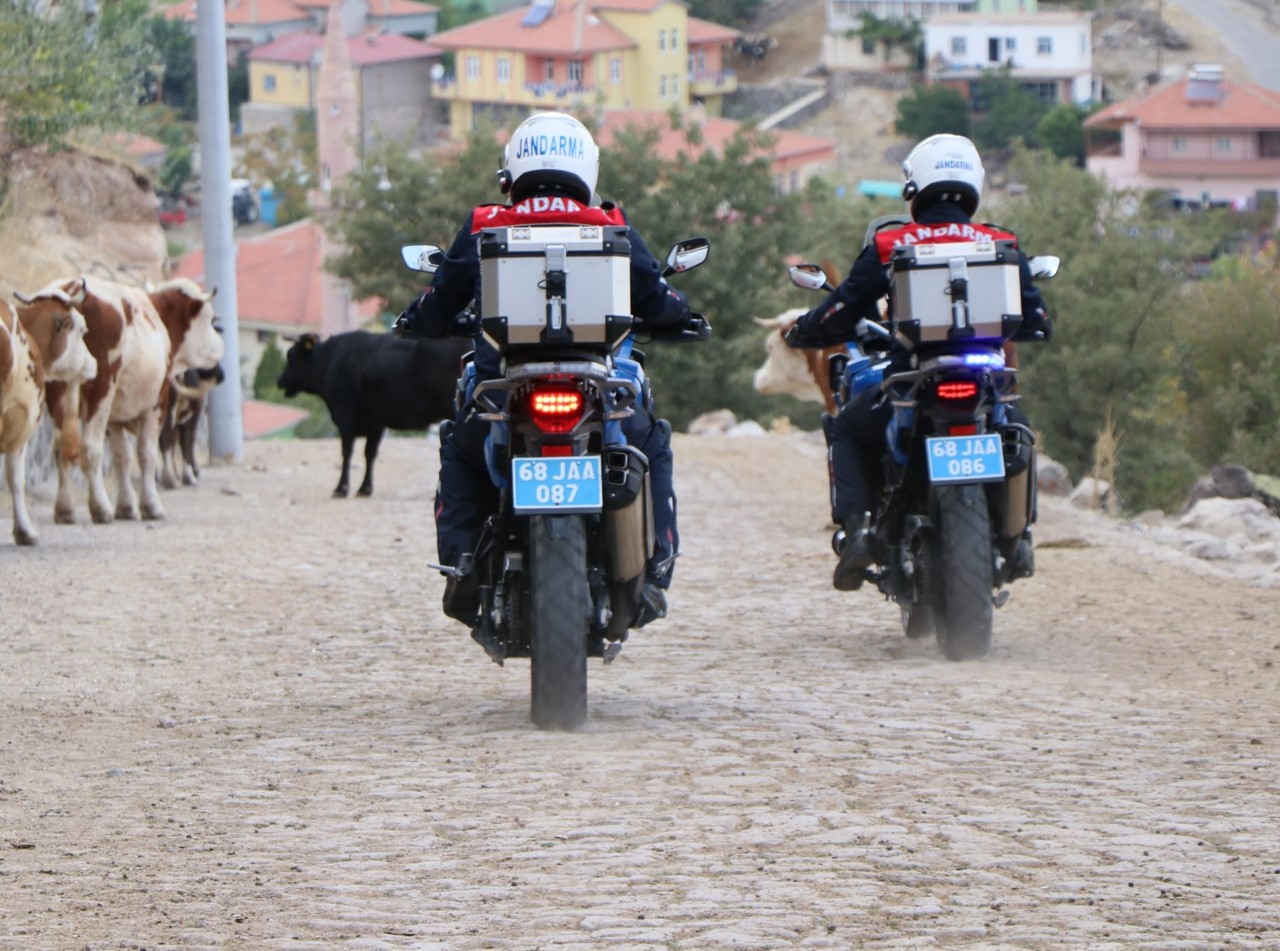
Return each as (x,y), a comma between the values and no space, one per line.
(279,289)
(391,73)
(251,23)
(1205,140)
(794,158)
(571,54)
(843,49)
(1050,54)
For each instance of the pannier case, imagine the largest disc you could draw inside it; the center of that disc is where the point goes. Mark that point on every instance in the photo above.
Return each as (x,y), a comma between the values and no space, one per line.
(926,278)
(555,284)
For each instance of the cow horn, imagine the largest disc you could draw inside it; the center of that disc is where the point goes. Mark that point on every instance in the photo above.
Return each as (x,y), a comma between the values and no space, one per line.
(766,323)
(148,286)
(23,297)
(211,295)
(81,291)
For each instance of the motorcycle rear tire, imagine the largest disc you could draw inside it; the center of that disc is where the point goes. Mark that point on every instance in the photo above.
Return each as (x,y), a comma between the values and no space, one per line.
(559,617)
(967,573)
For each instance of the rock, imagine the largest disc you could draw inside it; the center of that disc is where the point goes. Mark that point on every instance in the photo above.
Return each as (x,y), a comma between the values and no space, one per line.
(1232,481)
(1052,477)
(1096,494)
(1151,518)
(747,428)
(716,422)
(1214,549)
(1225,518)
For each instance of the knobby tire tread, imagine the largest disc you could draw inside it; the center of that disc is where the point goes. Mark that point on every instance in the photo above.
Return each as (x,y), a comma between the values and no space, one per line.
(559,612)
(965,621)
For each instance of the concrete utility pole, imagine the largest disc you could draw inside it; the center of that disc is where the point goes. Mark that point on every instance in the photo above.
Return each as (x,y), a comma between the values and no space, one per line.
(226,421)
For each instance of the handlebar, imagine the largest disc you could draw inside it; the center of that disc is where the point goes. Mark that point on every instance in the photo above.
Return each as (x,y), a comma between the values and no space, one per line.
(695,327)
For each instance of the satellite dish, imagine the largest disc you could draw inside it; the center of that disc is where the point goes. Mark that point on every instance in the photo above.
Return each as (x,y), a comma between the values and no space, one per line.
(437,72)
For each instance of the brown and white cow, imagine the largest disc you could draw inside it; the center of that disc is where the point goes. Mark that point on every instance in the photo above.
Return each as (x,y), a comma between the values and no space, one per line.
(36,344)
(138,340)
(799,373)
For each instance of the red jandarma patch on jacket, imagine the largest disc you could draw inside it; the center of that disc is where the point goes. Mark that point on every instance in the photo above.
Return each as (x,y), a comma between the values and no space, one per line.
(941,233)
(544,210)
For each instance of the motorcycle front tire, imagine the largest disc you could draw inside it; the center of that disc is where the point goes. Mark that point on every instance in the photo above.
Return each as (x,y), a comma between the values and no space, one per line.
(559,618)
(966,572)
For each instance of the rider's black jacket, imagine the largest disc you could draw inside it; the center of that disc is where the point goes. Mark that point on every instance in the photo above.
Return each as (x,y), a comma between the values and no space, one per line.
(456,282)
(835,319)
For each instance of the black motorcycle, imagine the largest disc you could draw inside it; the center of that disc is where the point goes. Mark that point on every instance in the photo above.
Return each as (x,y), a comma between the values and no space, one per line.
(561,560)
(960,479)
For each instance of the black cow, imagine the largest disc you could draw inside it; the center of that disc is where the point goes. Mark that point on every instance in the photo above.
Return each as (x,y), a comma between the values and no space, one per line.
(374,382)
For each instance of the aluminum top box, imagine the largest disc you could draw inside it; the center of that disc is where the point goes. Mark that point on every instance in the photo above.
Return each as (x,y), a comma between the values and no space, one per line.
(555,285)
(982,277)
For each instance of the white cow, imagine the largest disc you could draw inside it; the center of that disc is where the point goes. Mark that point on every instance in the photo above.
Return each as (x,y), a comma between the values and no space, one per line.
(36,344)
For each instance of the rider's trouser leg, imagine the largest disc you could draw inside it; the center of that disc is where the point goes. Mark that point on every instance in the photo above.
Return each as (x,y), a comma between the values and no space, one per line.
(463,488)
(653,438)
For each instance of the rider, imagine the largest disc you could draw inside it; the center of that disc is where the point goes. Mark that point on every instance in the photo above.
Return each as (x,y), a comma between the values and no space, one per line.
(944,186)
(550,167)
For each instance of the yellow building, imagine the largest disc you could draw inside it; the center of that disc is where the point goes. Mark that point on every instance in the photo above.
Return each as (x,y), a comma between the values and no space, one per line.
(609,54)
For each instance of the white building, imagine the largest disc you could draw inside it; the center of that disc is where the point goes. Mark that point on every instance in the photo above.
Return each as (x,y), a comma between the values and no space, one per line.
(1049,53)
(844,50)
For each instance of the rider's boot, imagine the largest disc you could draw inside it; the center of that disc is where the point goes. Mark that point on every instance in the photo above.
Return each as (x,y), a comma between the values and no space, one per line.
(1022,557)
(853,544)
(461,593)
(653,605)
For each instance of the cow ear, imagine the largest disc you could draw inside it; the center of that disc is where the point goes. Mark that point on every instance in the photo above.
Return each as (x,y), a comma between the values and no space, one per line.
(19,296)
(148,286)
(76,291)
(308,341)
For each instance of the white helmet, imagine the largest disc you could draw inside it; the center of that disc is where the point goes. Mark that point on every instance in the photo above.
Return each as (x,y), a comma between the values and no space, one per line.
(943,168)
(550,151)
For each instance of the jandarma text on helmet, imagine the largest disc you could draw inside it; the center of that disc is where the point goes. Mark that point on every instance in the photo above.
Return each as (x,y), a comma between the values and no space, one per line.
(551,145)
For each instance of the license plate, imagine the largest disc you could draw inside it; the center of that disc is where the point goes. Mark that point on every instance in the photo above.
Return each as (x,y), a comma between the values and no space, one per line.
(561,484)
(965,458)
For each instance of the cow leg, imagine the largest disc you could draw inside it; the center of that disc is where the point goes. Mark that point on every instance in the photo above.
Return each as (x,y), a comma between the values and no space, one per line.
(344,481)
(187,442)
(64,509)
(148,443)
(168,450)
(126,497)
(91,464)
(24,532)
(371,443)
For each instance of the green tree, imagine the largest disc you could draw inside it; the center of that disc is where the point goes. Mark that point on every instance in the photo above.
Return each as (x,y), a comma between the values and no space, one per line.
(1114,306)
(57,76)
(729,12)
(927,110)
(269,369)
(1230,363)
(287,159)
(1061,131)
(176,47)
(1007,112)
(891,34)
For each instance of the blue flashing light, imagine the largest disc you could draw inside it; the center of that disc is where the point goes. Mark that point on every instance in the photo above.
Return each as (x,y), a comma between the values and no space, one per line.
(984,360)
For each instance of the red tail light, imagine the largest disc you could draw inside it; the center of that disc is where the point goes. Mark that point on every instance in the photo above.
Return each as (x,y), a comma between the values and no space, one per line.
(969,429)
(556,409)
(958,390)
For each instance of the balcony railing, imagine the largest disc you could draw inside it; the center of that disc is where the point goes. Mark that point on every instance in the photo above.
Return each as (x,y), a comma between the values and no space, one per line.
(707,81)
(1211,167)
(530,93)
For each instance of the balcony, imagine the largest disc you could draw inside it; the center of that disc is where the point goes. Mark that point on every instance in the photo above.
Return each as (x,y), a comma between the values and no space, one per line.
(530,94)
(712,82)
(1210,167)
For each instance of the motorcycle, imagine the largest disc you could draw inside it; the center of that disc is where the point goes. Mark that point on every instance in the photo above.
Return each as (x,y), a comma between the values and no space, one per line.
(561,560)
(960,477)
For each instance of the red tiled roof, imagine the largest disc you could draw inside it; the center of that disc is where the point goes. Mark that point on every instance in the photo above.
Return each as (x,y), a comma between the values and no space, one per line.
(261,419)
(558,33)
(244,12)
(368,50)
(627,6)
(277,278)
(704,31)
(1242,106)
(258,12)
(381,8)
(716,131)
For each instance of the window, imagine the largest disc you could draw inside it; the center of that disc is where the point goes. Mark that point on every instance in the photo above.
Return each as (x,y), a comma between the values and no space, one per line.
(662,41)
(615,69)
(473,67)
(1178,143)
(662,87)
(550,71)
(958,47)
(868,46)
(269,82)
(504,69)
(1222,144)
(1044,45)
(575,72)
(675,40)
(675,87)
(1010,44)
(702,60)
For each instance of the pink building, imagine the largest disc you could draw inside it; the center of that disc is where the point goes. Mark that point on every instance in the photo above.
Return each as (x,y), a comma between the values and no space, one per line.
(1204,140)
